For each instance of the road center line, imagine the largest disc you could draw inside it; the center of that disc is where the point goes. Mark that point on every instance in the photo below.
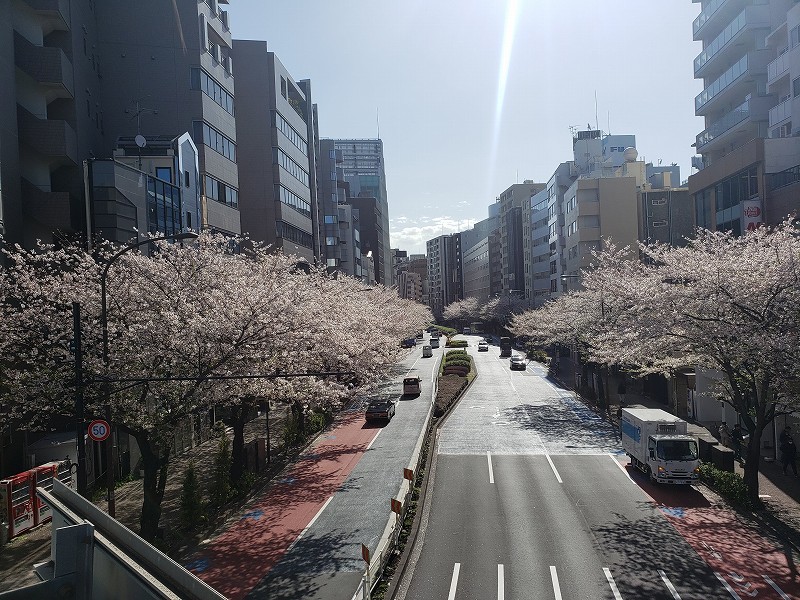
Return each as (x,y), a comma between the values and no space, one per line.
(669,585)
(556,587)
(373,440)
(307,527)
(727,587)
(621,468)
(776,588)
(491,471)
(552,466)
(501,583)
(454,582)
(612,584)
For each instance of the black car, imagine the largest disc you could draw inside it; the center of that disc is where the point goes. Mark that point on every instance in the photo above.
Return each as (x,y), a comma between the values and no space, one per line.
(408,343)
(518,362)
(380,410)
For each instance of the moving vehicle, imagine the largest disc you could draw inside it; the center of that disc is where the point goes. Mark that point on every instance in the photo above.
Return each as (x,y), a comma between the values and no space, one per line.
(379,410)
(505,346)
(411,386)
(518,362)
(420,335)
(658,444)
(466,331)
(434,342)
(427,352)
(483,346)
(409,343)
(435,334)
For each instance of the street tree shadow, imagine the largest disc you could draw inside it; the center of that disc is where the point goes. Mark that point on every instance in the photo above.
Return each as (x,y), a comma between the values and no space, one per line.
(557,424)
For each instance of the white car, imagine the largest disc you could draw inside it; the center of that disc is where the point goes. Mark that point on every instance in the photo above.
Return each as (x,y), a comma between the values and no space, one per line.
(483,347)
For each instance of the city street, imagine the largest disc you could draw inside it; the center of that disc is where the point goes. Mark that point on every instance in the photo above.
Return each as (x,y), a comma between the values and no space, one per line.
(302,539)
(531,498)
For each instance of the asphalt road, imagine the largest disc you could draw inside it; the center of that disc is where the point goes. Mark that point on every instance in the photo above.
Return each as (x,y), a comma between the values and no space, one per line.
(531,499)
(325,561)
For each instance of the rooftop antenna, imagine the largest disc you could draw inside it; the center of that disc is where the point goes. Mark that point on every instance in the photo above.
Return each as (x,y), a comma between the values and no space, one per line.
(596,121)
(609,122)
(378,122)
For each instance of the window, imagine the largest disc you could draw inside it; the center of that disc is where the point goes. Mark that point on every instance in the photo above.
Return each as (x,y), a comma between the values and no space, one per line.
(283,87)
(289,198)
(331,241)
(796,87)
(188,219)
(293,234)
(290,166)
(286,129)
(220,192)
(212,138)
(331,219)
(164,173)
(659,223)
(186,179)
(200,80)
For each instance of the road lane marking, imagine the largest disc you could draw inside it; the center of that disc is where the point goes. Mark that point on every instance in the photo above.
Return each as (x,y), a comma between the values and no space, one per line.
(454,582)
(501,583)
(373,440)
(552,466)
(727,587)
(307,527)
(776,588)
(621,468)
(491,471)
(556,587)
(669,585)
(612,584)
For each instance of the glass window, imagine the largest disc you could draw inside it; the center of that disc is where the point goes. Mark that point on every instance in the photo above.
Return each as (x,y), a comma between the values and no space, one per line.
(164,173)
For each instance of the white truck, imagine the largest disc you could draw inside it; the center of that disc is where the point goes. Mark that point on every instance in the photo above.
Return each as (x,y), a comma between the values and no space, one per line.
(659,445)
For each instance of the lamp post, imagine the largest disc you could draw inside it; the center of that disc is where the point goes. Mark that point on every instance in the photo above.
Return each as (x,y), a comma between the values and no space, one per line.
(189,235)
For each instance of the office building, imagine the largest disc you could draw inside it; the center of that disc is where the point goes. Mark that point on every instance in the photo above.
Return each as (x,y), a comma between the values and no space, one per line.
(277,170)
(750,157)
(444,272)
(510,220)
(363,168)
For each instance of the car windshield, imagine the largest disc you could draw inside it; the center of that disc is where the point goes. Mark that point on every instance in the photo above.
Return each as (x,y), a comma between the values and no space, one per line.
(378,404)
(677,450)
(411,381)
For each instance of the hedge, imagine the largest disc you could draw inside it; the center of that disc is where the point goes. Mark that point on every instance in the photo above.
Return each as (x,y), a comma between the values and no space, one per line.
(729,485)
(457,362)
(457,343)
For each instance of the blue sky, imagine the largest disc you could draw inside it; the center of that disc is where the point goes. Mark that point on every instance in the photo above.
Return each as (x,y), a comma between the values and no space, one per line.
(475,95)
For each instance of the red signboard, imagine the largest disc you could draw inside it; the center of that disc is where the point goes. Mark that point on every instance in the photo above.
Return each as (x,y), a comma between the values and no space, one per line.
(397,506)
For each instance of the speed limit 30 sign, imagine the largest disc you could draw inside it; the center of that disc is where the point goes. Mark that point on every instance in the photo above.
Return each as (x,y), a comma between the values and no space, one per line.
(99,430)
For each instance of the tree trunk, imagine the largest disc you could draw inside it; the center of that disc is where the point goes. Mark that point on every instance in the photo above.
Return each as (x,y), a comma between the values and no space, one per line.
(155,480)
(751,465)
(238,456)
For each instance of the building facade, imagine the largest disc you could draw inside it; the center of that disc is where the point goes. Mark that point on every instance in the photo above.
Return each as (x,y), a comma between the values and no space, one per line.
(277,174)
(363,168)
(444,272)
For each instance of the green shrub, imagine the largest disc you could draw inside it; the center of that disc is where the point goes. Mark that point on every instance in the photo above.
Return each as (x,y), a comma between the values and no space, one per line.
(456,343)
(456,353)
(538,355)
(457,363)
(221,490)
(729,485)
(317,421)
(192,514)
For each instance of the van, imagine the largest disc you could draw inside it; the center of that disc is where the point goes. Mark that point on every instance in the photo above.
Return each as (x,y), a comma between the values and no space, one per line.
(411,386)
(426,351)
(467,331)
(434,342)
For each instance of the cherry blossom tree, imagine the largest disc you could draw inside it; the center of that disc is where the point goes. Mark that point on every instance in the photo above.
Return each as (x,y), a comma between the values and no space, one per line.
(725,303)
(463,312)
(190,327)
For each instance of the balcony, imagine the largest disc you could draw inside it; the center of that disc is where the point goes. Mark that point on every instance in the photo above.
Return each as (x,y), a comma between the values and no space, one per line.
(49,67)
(49,137)
(51,209)
(780,113)
(738,32)
(778,69)
(743,123)
(735,83)
(714,17)
(54,12)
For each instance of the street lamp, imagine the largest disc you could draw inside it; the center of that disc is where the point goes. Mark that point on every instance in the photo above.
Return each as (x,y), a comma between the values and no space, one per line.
(188,235)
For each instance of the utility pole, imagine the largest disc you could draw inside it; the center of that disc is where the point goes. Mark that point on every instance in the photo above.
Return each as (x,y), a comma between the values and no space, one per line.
(80,417)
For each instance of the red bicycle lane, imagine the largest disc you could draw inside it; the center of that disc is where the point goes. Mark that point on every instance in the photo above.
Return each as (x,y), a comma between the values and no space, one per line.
(747,563)
(237,559)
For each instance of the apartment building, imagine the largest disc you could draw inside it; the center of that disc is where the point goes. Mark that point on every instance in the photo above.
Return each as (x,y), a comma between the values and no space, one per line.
(275,133)
(363,168)
(412,279)
(536,249)
(444,271)
(52,117)
(750,157)
(510,220)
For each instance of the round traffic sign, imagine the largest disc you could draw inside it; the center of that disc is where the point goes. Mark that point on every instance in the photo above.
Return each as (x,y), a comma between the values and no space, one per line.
(99,430)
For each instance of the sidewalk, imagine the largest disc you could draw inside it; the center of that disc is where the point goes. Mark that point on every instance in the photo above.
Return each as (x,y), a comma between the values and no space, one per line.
(19,555)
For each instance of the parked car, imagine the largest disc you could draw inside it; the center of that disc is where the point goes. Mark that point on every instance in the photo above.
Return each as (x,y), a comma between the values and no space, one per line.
(411,386)
(408,343)
(434,342)
(379,410)
(518,362)
(427,352)
(483,346)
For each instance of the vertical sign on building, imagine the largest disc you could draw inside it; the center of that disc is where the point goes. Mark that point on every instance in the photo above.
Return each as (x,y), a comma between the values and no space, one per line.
(751,214)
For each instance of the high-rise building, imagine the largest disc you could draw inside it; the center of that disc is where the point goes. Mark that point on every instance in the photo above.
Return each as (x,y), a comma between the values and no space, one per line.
(444,271)
(277,168)
(363,168)
(750,157)
(510,202)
